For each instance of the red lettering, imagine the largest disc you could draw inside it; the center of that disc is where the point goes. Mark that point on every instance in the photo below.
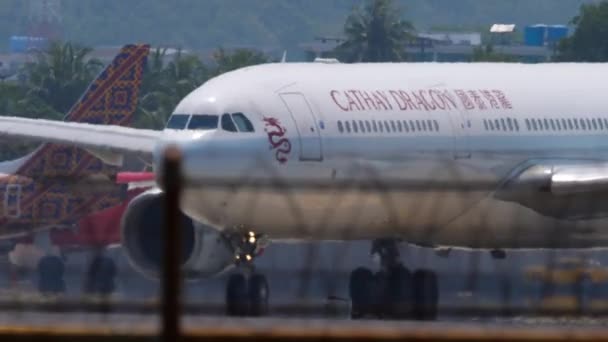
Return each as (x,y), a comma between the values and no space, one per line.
(368,100)
(408,100)
(478,100)
(502,98)
(334,94)
(466,102)
(354,93)
(351,102)
(449,100)
(430,105)
(491,99)
(381,100)
(420,101)
(396,96)
(436,98)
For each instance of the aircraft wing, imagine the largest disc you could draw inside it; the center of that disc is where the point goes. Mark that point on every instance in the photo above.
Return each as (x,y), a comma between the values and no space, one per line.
(575,189)
(102,140)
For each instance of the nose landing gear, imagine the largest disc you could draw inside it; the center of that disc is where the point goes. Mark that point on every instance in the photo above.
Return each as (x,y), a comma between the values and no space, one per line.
(392,292)
(247,292)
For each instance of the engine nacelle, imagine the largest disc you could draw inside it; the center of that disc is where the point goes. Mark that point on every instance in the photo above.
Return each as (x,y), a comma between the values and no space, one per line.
(205,252)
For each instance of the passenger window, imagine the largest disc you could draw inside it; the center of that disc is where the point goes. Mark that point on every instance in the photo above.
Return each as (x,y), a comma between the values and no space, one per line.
(429,123)
(412,126)
(361,126)
(583,125)
(242,123)
(600,123)
(485,124)
(528,124)
(534,125)
(388,128)
(606,123)
(380,126)
(539,122)
(510,123)
(355,128)
(552,124)
(406,127)
(497,124)
(502,124)
(340,127)
(368,126)
(594,123)
(424,125)
(399,126)
(436,126)
(588,123)
(393,126)
(559,126)
(375,125)
(178,121)
(227,123)
(347,124)
(546,124)
(516,124)
(576,126)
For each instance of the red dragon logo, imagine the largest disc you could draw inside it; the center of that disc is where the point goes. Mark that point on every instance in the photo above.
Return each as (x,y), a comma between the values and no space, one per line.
(277,139)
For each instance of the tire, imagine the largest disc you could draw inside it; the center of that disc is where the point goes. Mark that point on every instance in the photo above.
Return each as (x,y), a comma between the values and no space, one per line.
(361,288)
(426,295)
(237,303)
(51,270)
(398,294)
(258,295)
(101,276)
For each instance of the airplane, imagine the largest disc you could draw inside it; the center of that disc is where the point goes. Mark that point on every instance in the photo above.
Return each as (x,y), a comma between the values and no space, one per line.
(484,156)
(57,185)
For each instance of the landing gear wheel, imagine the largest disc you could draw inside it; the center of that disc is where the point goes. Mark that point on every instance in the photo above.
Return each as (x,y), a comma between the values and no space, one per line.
(361,288)
(101,276)
(50,275)
(237,303)
(398,298)
(258,295)
(426,295)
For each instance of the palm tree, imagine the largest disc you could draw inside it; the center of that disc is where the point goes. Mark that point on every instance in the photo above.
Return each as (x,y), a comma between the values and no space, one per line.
(60,74)
(165,84)
(239,58)
(375,34)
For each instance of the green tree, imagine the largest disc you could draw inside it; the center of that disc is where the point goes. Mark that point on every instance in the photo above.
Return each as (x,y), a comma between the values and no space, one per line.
(487,54)
(165,84)
(376,33)
(589,43)
(60,75)
(227,61)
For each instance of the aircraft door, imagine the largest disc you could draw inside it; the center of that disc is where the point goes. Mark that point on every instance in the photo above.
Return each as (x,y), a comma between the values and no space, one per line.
(461,126)
(306,124)
(12,201)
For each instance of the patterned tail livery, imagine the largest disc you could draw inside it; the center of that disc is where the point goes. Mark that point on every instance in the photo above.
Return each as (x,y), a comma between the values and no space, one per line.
(111,99)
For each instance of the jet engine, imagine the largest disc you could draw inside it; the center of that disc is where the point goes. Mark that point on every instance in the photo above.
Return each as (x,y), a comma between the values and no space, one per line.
(205,251)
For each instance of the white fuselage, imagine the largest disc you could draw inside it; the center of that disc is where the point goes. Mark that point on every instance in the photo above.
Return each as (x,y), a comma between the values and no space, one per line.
(432,145)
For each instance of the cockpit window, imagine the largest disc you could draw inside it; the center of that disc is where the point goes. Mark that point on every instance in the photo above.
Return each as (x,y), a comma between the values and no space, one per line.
(242,122)
(203,122)
(227,123)
(178,121)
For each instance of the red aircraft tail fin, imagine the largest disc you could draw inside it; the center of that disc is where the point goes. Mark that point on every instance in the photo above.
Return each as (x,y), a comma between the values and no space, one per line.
(111,99)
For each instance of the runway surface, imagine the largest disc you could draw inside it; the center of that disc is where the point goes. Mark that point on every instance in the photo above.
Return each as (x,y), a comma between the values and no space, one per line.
(315,278)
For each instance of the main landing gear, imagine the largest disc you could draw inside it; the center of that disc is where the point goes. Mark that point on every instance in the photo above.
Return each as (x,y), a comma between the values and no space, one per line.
(247,291)
(393,292)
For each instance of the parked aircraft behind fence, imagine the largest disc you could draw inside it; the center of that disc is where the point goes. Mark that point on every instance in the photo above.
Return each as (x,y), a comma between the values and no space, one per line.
(476,155)
(58,184)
